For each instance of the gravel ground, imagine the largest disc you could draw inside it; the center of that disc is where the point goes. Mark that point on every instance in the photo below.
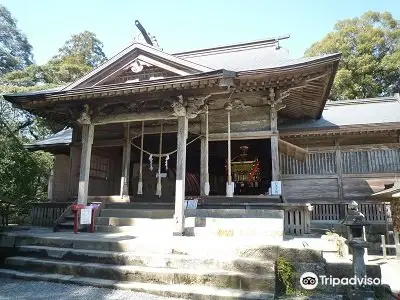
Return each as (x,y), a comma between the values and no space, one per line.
(21,289)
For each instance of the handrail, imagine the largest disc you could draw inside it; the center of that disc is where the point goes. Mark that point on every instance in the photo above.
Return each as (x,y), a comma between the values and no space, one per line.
(66,212)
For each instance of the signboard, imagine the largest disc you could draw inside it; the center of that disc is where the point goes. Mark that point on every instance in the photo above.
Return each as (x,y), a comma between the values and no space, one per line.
(276,188)
(191,204)
(162,175)
(86,215)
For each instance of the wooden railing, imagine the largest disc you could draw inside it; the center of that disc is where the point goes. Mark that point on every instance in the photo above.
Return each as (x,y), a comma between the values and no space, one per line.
(334,212)
(297,220)
(46,213)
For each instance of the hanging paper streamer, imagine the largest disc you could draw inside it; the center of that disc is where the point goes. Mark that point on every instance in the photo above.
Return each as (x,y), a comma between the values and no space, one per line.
(151,162)
(166,162)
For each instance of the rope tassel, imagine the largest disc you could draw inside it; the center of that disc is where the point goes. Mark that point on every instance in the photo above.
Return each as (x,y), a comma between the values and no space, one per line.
(166,162)
(151,162)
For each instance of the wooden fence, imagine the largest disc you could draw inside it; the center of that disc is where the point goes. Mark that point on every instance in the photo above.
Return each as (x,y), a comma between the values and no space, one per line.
(45,214)
(373,212)
(297,220)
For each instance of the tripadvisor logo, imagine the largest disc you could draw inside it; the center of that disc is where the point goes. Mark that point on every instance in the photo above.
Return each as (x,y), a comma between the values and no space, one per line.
(310,280)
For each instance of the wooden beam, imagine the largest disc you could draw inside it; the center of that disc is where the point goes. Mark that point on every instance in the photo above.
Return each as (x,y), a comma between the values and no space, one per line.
(179,215)
(132,117)
(292,150)
(192,128)
(248,135)
(87,141)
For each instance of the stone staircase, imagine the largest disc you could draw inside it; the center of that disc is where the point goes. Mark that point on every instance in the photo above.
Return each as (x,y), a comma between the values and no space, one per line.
(187,267)
(154,219)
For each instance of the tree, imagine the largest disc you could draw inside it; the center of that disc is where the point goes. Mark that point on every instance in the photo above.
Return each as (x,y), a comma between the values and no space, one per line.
(370,47)
(15,50)
(86,46)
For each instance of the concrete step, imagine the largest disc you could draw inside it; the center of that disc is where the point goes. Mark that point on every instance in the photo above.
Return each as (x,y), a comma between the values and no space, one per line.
(148,222)
(241,264)
(214,278)
(137,213)
(197,292)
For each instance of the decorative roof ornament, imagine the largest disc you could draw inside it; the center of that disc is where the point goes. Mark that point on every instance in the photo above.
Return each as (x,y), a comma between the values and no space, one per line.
(136,66)
(151,40)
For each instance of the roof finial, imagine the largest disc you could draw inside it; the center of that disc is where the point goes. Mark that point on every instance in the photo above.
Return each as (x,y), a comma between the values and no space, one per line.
(146,35)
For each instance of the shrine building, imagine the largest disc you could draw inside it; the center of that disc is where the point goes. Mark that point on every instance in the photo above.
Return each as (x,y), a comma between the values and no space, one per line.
(228,125)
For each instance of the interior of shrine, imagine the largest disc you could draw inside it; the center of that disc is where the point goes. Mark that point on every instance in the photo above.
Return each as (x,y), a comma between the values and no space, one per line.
(251,163)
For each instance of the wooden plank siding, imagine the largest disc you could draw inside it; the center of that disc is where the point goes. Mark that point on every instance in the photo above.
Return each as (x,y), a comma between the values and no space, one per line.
(339,173)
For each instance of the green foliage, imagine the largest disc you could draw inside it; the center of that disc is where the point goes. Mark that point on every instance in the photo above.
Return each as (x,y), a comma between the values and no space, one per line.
(15,50)
(86,46)
(370,47)
(286,273)
(23,175)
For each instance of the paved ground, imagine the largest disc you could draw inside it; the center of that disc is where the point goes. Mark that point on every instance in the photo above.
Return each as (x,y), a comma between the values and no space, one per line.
(14,289)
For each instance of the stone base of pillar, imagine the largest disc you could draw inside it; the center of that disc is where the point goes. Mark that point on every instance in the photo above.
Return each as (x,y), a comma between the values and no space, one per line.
(206,188)
(230,189)
(140,188)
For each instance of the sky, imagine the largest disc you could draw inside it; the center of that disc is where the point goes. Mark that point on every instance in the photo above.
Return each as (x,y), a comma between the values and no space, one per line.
(181,25)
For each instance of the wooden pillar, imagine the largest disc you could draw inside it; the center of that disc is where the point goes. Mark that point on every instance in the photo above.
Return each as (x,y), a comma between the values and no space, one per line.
(50,184)
(274,144)
(87,141)
(140,182)
(204,159)
(339,169)
(126,161)
(74,157)
(179,215)
(229,183)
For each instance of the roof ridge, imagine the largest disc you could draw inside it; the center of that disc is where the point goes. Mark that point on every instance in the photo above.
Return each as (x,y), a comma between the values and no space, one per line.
(361,101)
(220,48)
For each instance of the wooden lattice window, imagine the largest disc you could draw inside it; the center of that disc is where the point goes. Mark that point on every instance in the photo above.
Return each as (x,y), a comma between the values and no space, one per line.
(100,167)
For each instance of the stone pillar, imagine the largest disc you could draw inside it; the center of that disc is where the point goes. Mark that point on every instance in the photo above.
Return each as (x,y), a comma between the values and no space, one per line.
(179,215)
(87,141)
(126,160)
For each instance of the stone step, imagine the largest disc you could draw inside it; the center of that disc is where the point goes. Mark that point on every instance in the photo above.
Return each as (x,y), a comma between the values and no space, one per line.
(215,278)
(197,292)
(197,246)
(140,205)
(137,213)
(248,265)
(137,230)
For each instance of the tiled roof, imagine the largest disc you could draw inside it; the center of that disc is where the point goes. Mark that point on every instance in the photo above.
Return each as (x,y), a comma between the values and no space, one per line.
(338,114)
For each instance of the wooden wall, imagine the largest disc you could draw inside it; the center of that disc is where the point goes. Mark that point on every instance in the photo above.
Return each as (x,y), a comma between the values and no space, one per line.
(341,172)
(105,171)
(61,178)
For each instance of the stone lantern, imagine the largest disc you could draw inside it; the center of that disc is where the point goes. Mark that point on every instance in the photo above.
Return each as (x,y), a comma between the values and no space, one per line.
(355,222)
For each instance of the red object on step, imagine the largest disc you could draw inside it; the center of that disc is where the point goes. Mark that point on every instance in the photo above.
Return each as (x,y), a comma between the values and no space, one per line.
(75,209)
